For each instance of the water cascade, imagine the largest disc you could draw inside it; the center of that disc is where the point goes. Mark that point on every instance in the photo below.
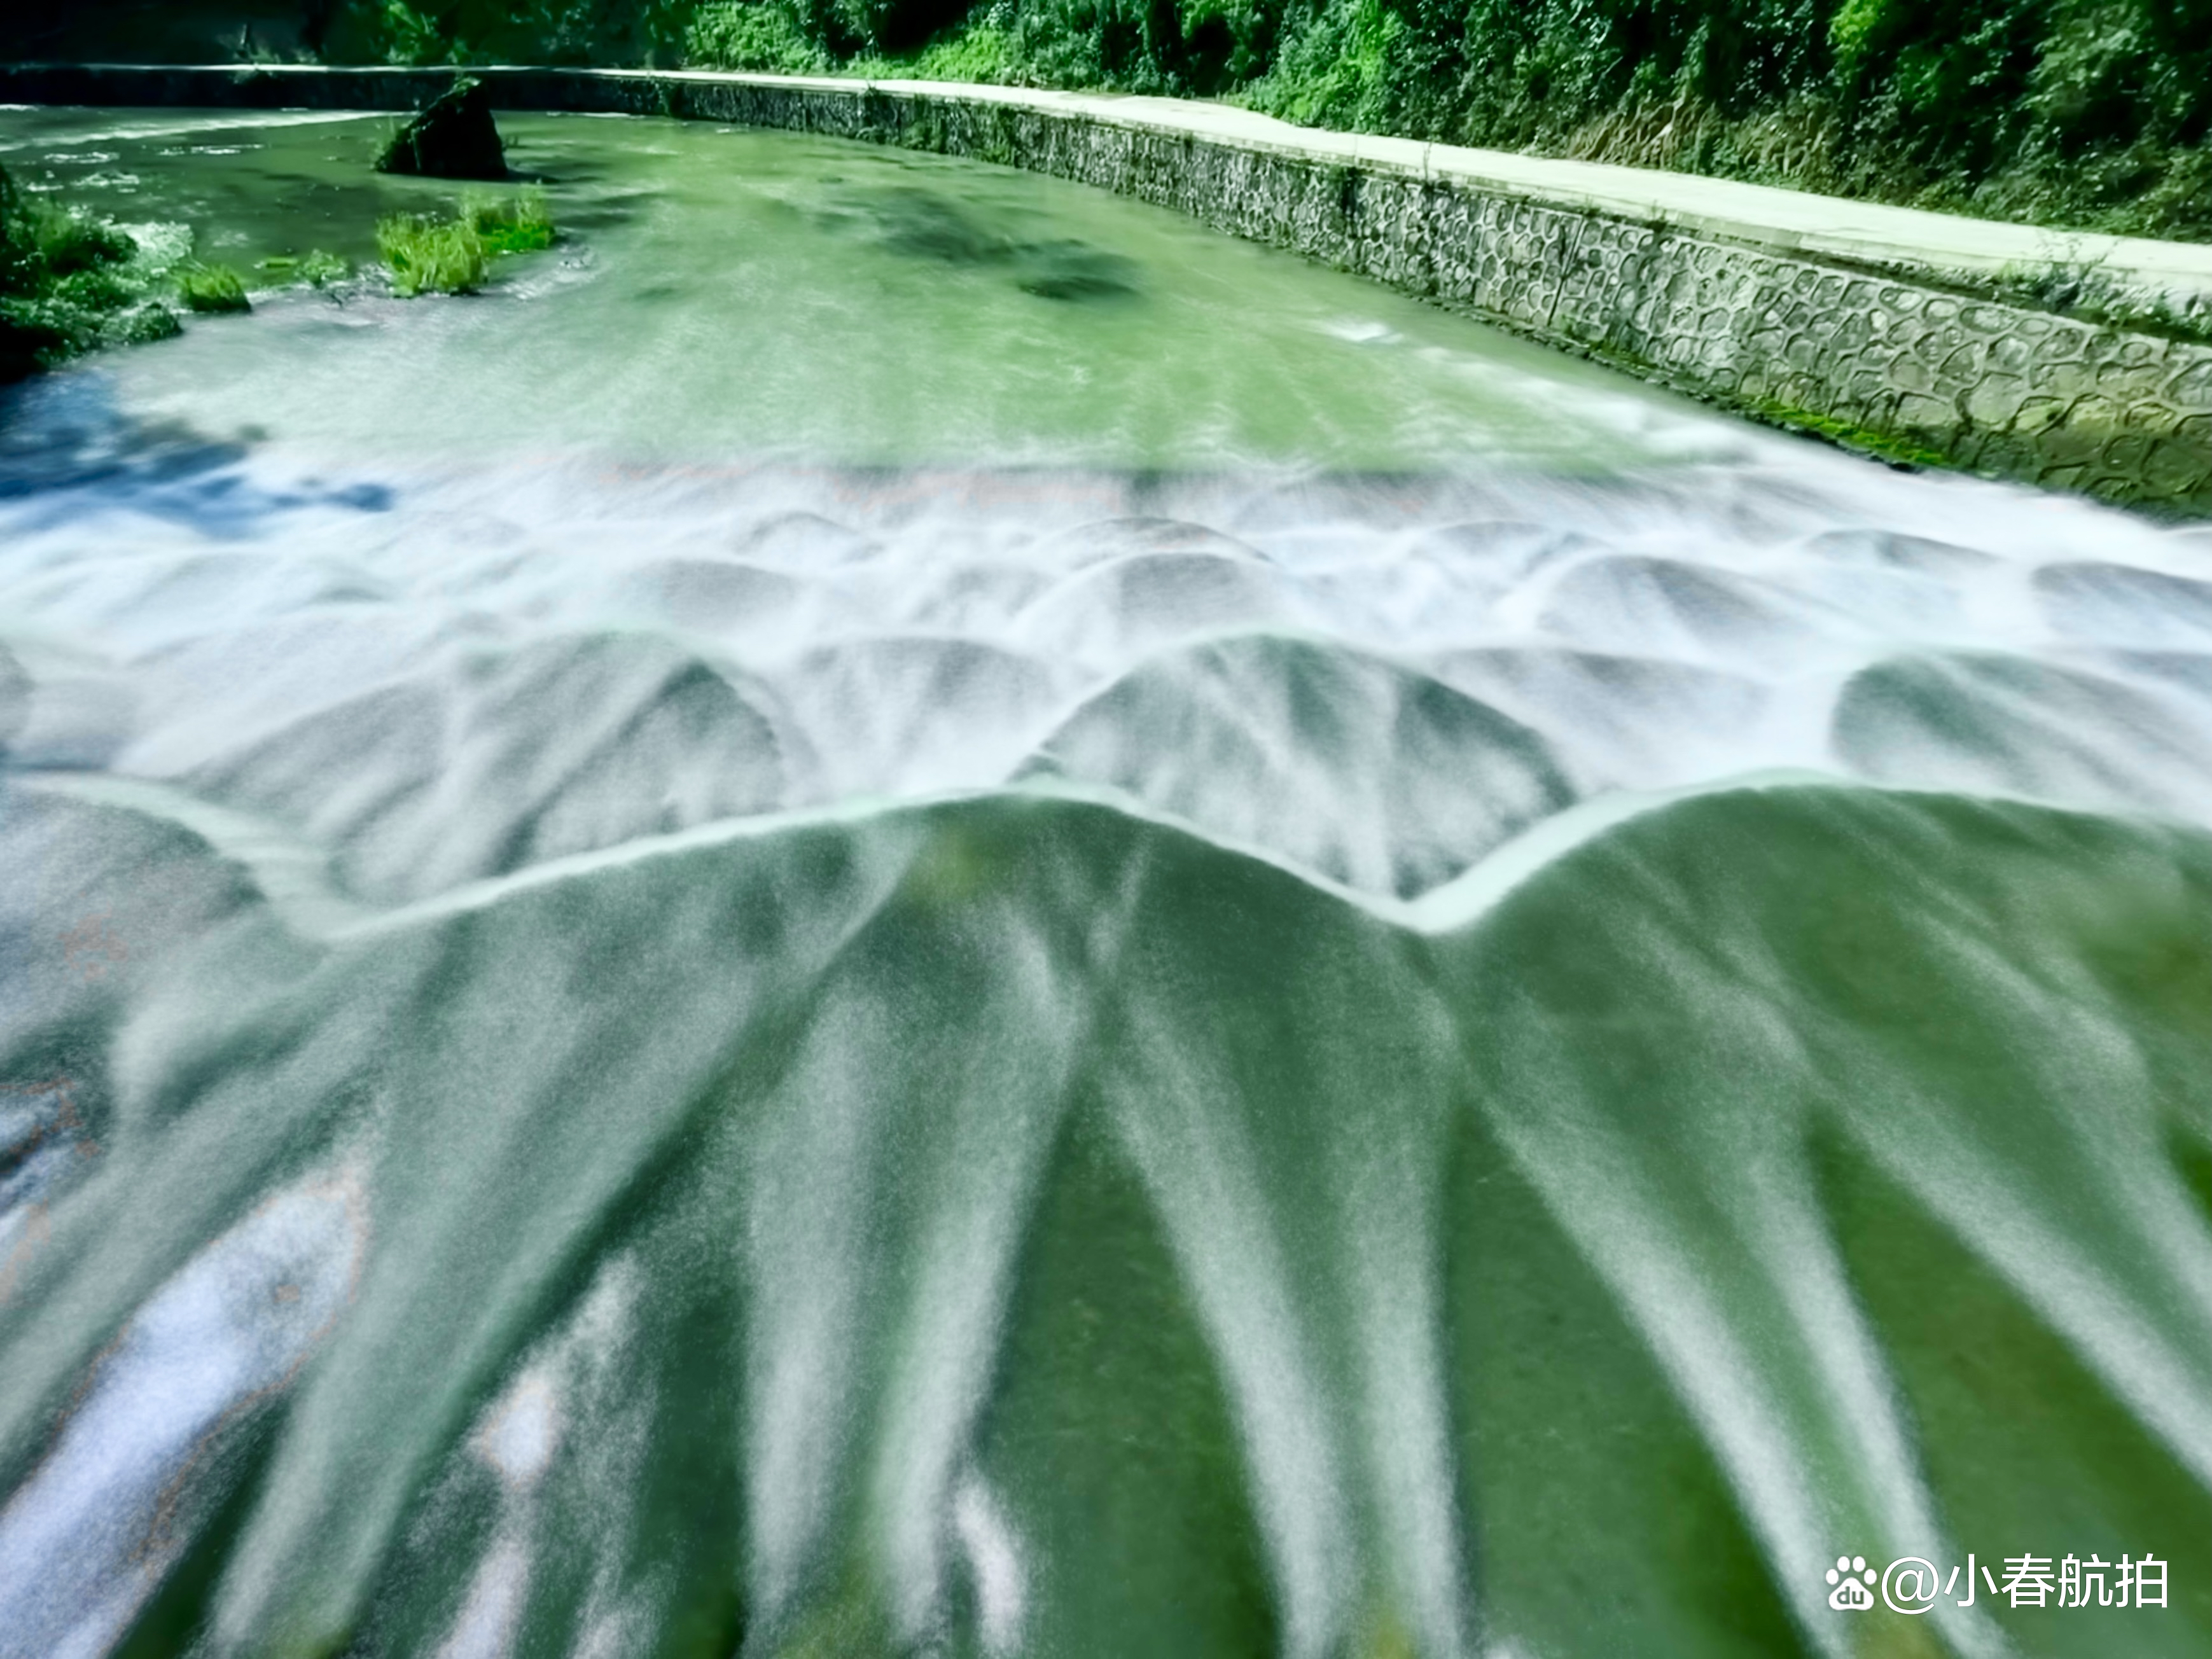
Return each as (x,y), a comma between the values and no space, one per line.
(899,911)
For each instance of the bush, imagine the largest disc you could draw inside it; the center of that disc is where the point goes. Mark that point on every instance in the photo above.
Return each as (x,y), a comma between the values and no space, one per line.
(1335,71)
(761,37)
(211,288)
(405,35)
(67,285)
(508,32)
(428,255)
(984,53)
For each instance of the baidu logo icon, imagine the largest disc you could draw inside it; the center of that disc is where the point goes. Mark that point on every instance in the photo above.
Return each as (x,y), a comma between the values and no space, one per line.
(1908,1584)
(1850,1576)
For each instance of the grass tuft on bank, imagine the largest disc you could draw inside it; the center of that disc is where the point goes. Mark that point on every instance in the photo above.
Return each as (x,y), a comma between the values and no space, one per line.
(518,224)
(433,253)
(426,254)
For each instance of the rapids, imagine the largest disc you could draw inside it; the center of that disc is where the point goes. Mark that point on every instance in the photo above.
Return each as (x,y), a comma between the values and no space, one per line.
(903,911)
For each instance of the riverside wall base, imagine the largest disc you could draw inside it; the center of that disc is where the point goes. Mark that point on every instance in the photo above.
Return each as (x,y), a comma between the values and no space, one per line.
(1908,366)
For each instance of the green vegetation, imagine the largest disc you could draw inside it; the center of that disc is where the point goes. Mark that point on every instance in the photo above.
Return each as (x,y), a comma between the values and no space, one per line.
(1848,434)
(426,253)
(2087,290)
(2094,113)
(520,225)
(2091,114)
(211,288)
(765,39)
(430,255)
(316,268)
(985,51)
(67,284)
(502,31)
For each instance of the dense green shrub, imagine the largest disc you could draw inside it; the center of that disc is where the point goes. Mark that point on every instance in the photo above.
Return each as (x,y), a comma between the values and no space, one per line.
(1334,68)
(67,285)
(509,31)
(764,37)
(982,52)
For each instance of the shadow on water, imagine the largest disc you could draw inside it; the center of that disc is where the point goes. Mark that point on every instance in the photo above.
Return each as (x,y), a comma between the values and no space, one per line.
(70,451)
(922,224)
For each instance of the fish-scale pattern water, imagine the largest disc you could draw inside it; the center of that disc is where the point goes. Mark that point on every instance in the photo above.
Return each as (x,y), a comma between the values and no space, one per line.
(1332,671)
(803,1061)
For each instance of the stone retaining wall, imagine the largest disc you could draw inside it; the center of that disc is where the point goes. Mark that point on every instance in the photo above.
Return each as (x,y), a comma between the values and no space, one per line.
(1906,364)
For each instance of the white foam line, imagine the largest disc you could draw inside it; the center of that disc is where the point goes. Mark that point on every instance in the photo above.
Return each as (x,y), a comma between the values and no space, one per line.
(1478,888)
(227,121)
(294,874)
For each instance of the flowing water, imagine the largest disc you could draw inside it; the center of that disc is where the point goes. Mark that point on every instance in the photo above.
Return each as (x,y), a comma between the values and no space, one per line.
(901,910)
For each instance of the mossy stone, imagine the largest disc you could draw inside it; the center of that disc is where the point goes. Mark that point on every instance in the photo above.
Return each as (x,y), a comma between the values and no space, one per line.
(454,137)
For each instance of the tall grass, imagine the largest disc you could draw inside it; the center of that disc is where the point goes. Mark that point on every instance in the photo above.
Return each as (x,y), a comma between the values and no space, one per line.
(430,253)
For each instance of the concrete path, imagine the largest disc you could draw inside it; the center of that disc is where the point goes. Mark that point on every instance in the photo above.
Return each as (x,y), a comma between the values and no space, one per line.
(1791,221)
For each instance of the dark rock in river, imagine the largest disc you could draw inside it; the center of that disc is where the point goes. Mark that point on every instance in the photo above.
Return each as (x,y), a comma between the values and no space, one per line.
(453,138)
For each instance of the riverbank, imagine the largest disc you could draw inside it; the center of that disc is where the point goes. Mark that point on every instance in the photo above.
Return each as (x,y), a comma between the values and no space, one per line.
(2070,360)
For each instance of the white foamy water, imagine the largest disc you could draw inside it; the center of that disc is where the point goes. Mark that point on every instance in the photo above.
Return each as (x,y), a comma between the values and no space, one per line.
(1379,681)
(87,1537)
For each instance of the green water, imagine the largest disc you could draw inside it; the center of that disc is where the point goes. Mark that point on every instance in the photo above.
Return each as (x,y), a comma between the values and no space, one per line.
(731,292)
(900,912)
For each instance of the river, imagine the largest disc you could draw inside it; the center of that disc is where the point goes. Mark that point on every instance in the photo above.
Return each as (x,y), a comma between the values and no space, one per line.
(902,910)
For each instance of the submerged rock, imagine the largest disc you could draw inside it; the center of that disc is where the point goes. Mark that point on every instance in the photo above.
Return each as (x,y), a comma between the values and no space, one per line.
(453,138)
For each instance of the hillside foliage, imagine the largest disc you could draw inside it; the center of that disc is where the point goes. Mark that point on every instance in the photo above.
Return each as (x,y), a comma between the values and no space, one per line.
(2093,113)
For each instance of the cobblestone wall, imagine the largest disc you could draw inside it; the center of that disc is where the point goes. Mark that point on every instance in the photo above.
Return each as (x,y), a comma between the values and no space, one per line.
(1904,368)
